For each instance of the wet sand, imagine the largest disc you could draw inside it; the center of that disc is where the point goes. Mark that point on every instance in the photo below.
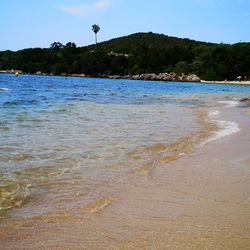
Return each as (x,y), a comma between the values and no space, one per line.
(200,201)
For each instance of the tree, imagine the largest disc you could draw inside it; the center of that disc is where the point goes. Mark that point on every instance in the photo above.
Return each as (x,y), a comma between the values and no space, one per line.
(95,29)
(56,45)
(70,45)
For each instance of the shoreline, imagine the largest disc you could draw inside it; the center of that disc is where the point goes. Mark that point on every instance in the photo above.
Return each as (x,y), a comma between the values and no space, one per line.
(166,77)
(227,82)
(199,201)
(204,198)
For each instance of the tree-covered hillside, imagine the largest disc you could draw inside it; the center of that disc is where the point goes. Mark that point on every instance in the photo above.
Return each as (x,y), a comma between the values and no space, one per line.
(135,54)
(128,44)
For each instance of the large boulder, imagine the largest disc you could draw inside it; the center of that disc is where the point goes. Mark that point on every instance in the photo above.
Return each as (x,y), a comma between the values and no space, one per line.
(193,78)
(165,77)
(115,77)
(182,78)
(149,76)
(174,76)
(135,77)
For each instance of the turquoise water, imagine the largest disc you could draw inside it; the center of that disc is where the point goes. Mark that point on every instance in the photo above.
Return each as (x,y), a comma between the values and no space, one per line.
(65,140)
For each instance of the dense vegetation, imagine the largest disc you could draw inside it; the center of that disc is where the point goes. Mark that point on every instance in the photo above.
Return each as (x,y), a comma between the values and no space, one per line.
(135,54)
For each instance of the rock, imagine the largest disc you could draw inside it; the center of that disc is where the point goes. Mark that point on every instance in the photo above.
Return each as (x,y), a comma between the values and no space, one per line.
(149,76)
(135,77)
(165,77)
(81,75)
(174,76)
(246,99)
(193,78)
(127,77)
(245,102)
(183,78)
(115,77)
(12,71)
(158,77)
(18,71)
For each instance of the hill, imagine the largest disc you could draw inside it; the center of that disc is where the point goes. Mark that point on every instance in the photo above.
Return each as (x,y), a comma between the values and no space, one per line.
(135,54)
(128,44)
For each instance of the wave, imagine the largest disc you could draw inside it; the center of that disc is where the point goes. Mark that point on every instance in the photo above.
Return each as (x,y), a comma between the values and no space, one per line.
(148,157)
(4,126)
(12,193)
(20,102)
(229,103)
(225,128)
(212,113)
(4,89)
(16,188)
(211,129)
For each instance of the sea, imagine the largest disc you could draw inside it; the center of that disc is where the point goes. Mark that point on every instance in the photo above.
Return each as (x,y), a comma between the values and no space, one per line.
(65,142)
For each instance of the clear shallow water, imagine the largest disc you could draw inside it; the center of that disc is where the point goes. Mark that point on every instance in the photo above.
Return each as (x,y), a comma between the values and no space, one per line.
(65,140)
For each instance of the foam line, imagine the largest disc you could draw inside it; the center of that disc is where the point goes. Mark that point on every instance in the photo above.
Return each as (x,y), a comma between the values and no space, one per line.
(4,89)
(229,104)
(225,127)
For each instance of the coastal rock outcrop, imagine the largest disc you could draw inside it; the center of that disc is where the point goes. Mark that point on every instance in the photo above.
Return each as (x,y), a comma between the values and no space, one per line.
(193,78)
(166,77)
(160,77)
(12,71)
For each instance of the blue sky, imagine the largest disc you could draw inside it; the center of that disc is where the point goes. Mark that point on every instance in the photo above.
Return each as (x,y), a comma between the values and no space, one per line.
(38,23)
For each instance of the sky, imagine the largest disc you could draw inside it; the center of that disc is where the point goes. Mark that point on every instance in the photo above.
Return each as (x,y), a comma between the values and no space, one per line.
(39,23)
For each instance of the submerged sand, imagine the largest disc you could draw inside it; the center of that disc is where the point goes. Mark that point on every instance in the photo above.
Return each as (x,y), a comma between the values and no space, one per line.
(200,201)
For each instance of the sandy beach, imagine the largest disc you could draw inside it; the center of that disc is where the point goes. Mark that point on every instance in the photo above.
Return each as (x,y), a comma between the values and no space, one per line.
(200,201)
(227,82)
(122,133)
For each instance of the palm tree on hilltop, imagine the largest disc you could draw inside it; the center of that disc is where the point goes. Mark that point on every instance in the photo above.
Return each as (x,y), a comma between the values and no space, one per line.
(95,29)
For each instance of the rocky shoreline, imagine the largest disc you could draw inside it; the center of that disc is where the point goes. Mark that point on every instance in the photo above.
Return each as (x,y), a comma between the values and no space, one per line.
(160,77)
(146,77)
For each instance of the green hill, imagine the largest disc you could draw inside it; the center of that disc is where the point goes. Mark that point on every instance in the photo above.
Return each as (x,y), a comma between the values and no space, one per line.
(128,44)
(135,54)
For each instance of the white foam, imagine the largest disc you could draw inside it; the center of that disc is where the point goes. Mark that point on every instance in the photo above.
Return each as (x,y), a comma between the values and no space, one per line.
(225,128)
(230,104)
(182,154)
(212,113)
(4,89)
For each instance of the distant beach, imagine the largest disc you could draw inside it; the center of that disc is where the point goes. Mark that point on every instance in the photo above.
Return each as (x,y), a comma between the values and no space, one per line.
(227,82)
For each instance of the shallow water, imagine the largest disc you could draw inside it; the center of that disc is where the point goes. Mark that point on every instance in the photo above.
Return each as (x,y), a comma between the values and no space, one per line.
(64,141)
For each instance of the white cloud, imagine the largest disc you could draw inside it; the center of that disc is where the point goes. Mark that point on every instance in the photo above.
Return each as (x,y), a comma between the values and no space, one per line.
(86,9)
